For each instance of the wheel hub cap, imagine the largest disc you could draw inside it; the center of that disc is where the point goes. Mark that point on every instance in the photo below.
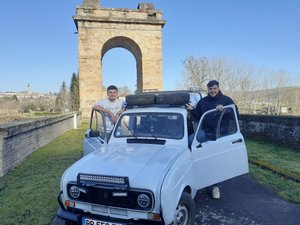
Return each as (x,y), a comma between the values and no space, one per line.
(181,215)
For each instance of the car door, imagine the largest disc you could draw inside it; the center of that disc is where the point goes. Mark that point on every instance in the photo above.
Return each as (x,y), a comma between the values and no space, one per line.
(222,155)
(96,135)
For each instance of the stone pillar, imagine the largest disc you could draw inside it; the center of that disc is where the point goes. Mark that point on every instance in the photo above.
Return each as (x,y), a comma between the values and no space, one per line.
(152,63)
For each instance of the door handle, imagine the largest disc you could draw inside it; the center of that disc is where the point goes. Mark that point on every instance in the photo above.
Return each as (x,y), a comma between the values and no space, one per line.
(237,141)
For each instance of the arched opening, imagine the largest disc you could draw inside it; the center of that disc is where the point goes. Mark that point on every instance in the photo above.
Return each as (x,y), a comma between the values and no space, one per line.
(118,68)
(126,43)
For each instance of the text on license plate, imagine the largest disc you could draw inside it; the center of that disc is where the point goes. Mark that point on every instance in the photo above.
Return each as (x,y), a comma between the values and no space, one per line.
(86,221)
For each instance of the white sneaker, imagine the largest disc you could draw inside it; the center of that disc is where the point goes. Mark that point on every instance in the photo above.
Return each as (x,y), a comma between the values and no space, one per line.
(215,193)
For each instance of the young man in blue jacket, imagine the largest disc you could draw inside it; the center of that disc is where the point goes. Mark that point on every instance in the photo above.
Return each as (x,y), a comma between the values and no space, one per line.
(214,100)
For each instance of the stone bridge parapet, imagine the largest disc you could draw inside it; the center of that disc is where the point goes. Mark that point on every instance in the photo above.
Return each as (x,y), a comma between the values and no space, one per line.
(19,139)
(281,130)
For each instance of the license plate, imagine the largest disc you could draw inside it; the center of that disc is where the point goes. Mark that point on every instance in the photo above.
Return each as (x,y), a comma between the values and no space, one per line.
(87,221)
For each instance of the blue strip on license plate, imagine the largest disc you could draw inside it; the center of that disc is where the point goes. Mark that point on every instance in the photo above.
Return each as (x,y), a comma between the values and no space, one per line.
(87,221)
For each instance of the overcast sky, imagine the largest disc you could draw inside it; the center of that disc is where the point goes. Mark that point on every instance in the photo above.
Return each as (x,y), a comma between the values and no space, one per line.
(38,44)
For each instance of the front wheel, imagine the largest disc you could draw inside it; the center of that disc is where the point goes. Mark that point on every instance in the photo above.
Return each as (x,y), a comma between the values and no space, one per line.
(185,210)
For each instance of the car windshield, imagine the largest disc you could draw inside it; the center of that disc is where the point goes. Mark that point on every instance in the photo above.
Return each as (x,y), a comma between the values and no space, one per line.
(155,125)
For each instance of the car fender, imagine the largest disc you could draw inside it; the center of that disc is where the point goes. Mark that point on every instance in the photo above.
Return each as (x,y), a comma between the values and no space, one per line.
(179,176)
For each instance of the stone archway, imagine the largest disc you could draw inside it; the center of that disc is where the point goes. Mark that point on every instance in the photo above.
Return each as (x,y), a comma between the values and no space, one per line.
(131,46)
(101,29)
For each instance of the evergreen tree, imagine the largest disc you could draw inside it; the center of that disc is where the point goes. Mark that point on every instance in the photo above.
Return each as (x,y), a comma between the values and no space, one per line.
(62,100)
(74,92)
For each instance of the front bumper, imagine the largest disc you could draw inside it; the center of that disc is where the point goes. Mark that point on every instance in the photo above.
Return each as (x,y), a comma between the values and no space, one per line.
(75,215)
(69,216)
(77,218)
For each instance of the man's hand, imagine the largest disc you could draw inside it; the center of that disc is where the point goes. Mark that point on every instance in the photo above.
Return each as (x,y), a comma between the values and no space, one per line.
(219,107)
(116,117)
(189,107)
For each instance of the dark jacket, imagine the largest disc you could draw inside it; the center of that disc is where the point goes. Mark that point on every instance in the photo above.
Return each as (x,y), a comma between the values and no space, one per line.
(207,103)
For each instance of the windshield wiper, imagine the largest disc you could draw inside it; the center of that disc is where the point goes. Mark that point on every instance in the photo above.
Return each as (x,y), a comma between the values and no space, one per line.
(149,131)
(131,131)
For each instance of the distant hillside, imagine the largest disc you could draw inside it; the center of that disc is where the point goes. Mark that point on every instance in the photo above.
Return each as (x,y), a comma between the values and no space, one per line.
(284,100)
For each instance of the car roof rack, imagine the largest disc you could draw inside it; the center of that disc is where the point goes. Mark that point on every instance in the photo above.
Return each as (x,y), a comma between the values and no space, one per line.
(160,98)
(195,89)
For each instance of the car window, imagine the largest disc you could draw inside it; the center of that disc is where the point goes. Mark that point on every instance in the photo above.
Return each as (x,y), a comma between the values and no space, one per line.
(157,125)
(216,124)
(97,124)
(228,123)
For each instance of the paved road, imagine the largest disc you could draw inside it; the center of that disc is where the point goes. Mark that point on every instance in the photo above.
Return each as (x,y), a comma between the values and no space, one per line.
(243,202)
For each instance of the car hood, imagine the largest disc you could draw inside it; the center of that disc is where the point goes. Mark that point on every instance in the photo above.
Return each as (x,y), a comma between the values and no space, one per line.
(145,165)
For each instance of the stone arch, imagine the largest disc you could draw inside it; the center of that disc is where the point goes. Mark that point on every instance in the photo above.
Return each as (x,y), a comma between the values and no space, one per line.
(131,46)
(101,29)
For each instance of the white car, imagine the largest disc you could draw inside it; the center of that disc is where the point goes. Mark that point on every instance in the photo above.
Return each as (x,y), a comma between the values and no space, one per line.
(146,171)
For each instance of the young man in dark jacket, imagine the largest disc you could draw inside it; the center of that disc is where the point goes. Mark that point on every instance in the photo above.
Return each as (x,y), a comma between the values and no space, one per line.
(214,100)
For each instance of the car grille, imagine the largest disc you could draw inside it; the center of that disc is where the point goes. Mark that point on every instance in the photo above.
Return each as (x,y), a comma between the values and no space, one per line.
(126,199)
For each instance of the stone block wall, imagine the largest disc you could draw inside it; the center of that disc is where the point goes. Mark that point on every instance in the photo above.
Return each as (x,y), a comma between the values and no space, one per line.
(281,130)
(19,139)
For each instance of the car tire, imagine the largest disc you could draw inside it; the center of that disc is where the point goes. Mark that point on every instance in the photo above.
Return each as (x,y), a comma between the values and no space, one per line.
(140,99)
(173,99)
(185,211)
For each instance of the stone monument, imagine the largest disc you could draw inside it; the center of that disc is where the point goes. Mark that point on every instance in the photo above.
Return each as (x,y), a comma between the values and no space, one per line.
(102,29)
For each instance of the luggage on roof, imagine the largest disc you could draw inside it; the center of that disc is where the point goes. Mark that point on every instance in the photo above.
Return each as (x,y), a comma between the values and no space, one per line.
(158,98)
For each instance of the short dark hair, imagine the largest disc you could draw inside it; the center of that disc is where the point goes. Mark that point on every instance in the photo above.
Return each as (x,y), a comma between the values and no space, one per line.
(112,87)
(212,83)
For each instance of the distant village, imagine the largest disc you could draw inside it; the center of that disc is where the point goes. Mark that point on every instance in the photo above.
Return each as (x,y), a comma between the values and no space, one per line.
(28,94)
(19,105)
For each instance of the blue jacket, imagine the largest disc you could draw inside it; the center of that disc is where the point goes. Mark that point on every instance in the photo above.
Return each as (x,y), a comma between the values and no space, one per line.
(207,103)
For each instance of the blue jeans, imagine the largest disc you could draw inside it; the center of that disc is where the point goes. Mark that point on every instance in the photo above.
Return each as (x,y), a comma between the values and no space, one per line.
(201,137)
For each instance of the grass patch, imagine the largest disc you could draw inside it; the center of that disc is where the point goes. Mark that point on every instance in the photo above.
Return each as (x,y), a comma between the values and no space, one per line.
(28,193)
(287,189)
(281,159)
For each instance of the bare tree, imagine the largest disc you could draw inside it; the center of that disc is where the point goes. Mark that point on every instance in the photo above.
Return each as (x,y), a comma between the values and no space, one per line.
(238,82)
(296,102)
(123,91)
(251,89)
(235,78)
(196,72)
(280,80)
(62,100)
(219,70)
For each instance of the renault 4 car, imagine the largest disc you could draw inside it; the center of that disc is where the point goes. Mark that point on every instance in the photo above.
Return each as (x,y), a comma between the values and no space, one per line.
(145,171)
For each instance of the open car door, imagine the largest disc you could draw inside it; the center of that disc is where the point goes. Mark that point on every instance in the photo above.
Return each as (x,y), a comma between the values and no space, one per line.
(96,135)
(218,149)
